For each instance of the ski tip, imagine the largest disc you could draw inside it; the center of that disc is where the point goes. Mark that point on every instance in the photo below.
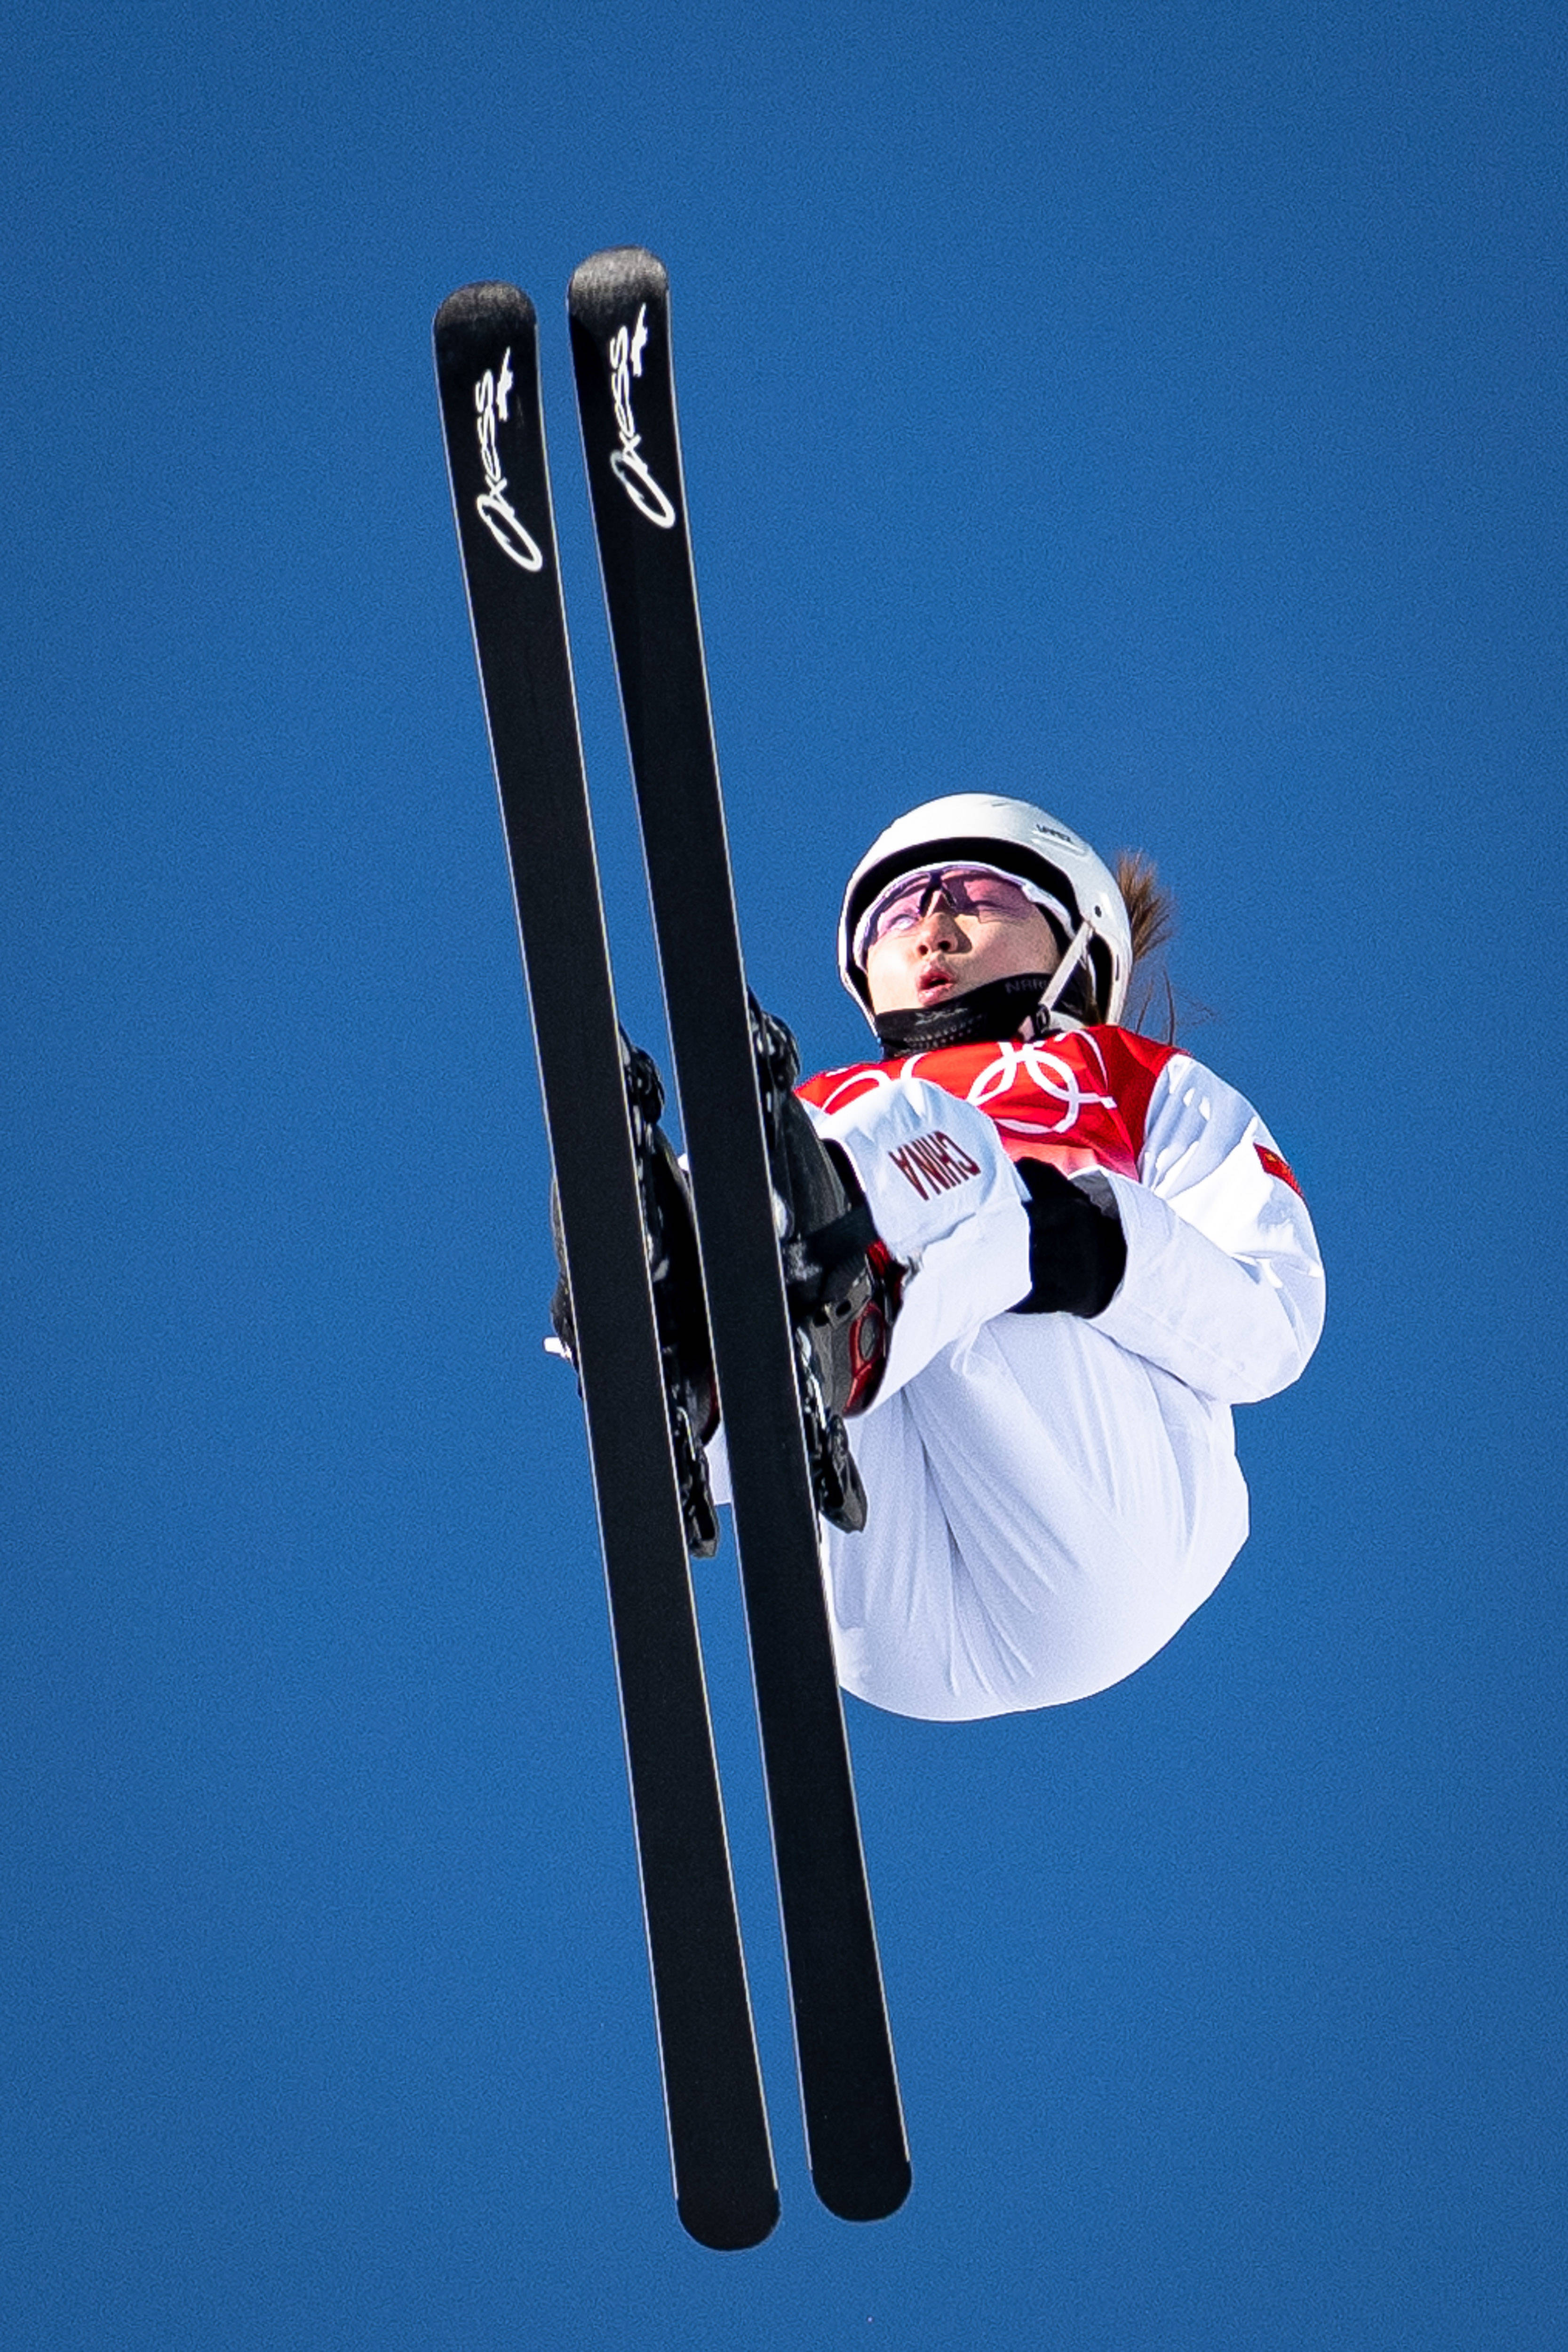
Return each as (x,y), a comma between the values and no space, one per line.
(867,2192)
(728,2224)
(483,308)
(622,273)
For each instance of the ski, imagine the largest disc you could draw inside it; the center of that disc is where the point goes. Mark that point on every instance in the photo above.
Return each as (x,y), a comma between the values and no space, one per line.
(619,311)
(597,1108)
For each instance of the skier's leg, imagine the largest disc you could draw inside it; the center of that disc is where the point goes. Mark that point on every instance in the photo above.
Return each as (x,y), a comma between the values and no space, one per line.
(1044,1511)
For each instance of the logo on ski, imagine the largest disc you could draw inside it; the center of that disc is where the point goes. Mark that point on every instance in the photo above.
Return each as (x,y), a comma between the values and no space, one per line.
(500,517)
(627,463)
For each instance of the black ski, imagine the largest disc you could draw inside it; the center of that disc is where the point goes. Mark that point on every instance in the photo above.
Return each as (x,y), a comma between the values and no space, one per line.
(487,372)
(619,308)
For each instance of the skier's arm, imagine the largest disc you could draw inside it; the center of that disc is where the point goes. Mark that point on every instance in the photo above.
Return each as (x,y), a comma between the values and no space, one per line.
(1224,1285)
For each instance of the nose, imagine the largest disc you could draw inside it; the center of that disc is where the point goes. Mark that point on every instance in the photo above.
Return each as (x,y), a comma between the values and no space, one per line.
(939,926)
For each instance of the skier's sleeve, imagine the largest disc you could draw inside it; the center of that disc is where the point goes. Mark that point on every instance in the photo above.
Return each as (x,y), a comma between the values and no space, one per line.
(948,1203)
(1224,1285)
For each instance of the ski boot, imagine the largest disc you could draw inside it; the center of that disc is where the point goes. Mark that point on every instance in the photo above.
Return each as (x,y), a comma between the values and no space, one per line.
(842,1285)
(680,1305)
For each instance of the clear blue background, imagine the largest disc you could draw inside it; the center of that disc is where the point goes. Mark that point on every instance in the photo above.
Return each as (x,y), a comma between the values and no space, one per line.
(1159,410)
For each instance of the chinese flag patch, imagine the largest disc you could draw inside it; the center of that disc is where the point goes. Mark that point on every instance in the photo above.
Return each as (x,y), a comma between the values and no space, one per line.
(1275,1165)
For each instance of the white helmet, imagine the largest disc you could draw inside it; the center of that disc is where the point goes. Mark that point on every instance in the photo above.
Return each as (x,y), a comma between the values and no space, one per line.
(1021,840)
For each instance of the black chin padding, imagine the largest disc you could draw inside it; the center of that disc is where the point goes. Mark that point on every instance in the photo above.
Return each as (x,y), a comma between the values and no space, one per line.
(997,1010)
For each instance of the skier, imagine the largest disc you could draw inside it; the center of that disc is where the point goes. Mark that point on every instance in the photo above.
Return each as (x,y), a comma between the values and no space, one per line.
(1039,1257)
(1088,1249)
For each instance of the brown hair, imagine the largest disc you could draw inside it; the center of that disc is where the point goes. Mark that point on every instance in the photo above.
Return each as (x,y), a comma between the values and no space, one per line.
(1151,911)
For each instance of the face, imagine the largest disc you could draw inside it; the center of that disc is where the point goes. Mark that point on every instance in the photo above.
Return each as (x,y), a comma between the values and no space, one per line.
(949,930)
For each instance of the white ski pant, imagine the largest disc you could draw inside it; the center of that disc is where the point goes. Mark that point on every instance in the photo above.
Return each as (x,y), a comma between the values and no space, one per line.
(1045,1509)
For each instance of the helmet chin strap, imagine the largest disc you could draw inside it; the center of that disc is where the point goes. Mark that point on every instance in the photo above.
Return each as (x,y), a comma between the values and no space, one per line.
(1068,966)
(1024,1005)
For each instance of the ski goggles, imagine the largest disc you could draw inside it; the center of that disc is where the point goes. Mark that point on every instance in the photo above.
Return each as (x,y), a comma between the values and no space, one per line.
(967,889)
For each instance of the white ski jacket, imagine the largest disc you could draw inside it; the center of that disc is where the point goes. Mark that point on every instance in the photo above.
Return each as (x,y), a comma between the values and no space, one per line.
(1051,1497)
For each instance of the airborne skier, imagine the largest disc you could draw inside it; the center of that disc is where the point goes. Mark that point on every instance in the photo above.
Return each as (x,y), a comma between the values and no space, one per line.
(1108,1252)
(1088,1249)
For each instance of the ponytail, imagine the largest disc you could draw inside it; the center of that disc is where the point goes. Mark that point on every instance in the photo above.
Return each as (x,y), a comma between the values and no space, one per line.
(1152,912)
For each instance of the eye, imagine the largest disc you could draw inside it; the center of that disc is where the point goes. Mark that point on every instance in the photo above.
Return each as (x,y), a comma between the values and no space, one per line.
(900,915)
(991,897)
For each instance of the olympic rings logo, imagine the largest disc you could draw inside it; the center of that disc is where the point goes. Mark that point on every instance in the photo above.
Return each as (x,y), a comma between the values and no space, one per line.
(1052,1076)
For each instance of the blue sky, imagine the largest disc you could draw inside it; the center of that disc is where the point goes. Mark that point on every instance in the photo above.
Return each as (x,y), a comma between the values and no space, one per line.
(1159,411)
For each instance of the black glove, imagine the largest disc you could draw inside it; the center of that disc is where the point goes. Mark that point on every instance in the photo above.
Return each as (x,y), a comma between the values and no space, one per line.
(1077,1254)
